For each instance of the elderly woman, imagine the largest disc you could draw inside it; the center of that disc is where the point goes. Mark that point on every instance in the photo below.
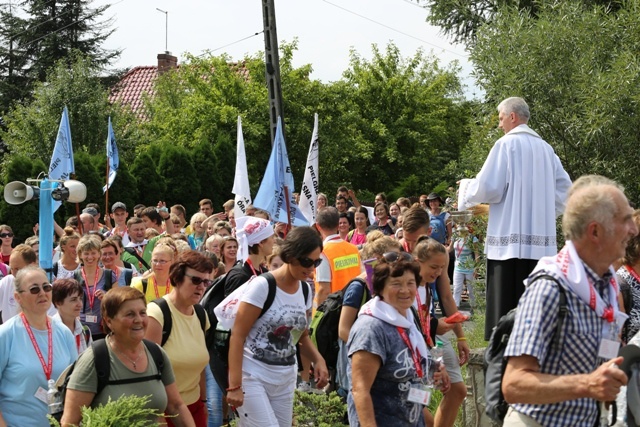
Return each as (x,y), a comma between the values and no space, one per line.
(262,349)
(157,284)
(33,350)
(67,299)
(95,282)
(384,222)
(185,345)
(132,364)
(229,252)
(6,243)
(389,359)
(222,228)
(199,235)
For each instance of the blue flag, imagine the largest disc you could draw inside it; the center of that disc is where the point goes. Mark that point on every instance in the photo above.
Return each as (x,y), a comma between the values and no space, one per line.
(61,166)
(277,176)
(112,157)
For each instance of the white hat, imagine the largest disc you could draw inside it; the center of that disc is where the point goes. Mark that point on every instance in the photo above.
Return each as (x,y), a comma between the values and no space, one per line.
(250,231)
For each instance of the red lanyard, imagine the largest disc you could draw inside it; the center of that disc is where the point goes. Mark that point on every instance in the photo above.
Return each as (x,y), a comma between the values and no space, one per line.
(423,313)
(253,270)
(116,271)
(414,355)
(608,313)
(632,272)
(462,243)
(405,245)
(46,367)
(78,343)
(91,297)
(155,287)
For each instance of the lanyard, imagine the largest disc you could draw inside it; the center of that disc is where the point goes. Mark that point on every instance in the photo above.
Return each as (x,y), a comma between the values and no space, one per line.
(415,356)
(423,314)
(462,243)
(405,245)
(78,343)
(608,313)
(250,264)
(90,296)
(155,286)
(46,367)
(632,272)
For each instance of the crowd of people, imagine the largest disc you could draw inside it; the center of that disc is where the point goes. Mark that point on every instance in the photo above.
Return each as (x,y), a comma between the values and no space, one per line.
(123,299)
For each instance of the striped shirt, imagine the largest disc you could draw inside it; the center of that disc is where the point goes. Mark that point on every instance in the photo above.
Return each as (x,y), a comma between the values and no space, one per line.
(577,353)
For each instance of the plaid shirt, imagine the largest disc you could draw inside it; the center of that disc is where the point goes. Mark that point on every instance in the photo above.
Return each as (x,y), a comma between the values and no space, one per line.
(581,333)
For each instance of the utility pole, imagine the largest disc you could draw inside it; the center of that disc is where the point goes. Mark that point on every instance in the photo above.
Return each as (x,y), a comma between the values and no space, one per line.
(272,63)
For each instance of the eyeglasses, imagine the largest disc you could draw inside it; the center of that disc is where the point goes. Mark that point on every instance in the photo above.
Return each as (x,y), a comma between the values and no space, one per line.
(395,256)
(159,261)
(198,280)
(308,262)
(5,235)
(35,289)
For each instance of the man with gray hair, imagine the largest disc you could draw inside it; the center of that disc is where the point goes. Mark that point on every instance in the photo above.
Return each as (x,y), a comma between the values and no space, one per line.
(525,185)
(558,381)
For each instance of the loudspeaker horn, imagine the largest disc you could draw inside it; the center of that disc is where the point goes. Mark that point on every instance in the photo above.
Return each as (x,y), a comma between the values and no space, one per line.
(16,193)
(77,191)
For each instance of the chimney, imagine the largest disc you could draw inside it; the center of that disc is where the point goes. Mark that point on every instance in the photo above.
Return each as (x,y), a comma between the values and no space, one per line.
(166,62)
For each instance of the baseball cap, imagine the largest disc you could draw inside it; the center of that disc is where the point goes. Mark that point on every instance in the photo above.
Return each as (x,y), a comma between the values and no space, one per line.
(90,211)
(118,205)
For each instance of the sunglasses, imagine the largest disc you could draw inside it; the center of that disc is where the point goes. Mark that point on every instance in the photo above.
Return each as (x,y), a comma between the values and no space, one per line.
(5,235)
(308,262)
(35,289)
(395,256)
(198,280)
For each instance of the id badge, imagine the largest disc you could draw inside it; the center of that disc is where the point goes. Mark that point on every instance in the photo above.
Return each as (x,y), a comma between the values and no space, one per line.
(608,349)
(420,393)
(90,318)
(41,395)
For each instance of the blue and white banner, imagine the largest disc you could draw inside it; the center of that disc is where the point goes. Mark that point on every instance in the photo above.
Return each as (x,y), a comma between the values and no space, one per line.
(112,157)
(61,166)
(277,176)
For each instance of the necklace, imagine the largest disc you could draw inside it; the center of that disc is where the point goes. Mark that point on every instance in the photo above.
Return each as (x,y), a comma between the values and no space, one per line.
(133,362)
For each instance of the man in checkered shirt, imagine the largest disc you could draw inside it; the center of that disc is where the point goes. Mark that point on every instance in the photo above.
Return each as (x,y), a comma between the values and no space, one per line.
(549,384)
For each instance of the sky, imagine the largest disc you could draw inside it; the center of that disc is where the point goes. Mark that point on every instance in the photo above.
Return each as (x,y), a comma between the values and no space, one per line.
(326,31)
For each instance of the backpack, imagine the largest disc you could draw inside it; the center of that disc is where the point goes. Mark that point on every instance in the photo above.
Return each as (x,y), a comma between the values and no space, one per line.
(103,370)
(218,339)
(167,325)
(438,227)
(324,325)
(495,362)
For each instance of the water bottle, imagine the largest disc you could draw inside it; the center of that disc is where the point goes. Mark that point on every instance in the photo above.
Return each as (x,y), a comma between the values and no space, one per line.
(437,356)
(53,398)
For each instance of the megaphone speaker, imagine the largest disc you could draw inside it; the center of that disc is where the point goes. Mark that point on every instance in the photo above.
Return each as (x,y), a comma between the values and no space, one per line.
(16,192)
(77,191)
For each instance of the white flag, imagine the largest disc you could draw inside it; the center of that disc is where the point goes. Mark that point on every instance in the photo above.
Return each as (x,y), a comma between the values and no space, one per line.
(241,188)
(309,192)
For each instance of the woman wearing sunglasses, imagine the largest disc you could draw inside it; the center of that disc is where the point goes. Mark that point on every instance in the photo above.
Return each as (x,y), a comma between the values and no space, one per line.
(185,345)
(6,243)
(262,352)
(33,349)
(389,360)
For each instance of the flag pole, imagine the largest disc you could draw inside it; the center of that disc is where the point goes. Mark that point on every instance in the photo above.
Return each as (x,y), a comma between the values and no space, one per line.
(80,228)
(106,193)
(288,203)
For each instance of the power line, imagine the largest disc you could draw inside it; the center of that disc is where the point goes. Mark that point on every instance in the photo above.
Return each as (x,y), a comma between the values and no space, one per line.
(235,42)
(394,29)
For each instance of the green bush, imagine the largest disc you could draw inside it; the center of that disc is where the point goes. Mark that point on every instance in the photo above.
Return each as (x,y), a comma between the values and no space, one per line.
(128,411)
(319,410)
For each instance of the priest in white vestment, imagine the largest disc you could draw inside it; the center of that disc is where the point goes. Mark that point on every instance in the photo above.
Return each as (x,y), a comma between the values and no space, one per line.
(526,187)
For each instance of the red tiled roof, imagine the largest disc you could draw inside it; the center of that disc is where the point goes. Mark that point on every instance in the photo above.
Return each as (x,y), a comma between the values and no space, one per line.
(131,89)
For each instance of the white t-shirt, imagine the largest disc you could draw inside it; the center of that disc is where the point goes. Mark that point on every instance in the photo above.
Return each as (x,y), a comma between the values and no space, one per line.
(270,347)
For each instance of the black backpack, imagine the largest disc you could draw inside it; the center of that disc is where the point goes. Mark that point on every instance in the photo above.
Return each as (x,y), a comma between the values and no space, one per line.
(495,362)
(324,325)
(103,370)
(167,324)
(218,340)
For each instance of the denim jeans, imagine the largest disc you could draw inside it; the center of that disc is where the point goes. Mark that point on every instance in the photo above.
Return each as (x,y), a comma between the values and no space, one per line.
(214,399)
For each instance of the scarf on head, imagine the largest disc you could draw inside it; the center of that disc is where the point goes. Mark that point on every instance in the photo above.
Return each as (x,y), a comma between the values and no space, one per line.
(568,265)
(379,309)
(250,231)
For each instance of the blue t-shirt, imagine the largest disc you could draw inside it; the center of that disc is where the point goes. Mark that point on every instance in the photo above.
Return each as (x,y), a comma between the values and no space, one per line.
(353,294)
(390,388)
(21,372)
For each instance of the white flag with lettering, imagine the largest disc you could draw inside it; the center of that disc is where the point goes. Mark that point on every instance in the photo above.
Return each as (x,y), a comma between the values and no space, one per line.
(310,183)
(241,188)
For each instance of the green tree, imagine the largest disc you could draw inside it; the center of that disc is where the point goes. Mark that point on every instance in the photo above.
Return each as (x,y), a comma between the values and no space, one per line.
(151,186)
(43,32)
(177,171)
(577,68)
(32,127)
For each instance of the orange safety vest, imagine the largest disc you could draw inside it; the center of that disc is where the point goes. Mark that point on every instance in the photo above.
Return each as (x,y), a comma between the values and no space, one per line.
(344,261)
